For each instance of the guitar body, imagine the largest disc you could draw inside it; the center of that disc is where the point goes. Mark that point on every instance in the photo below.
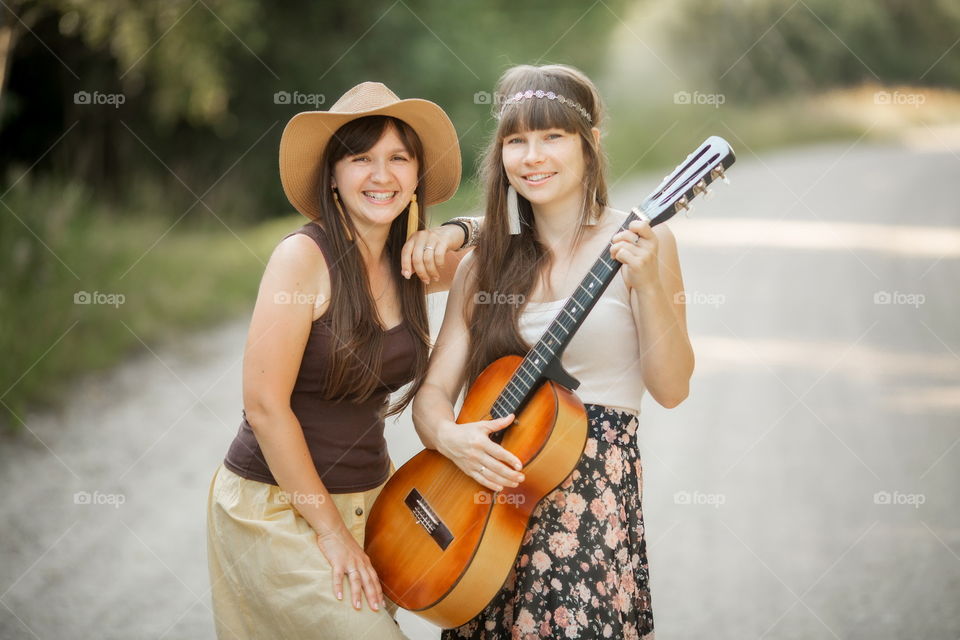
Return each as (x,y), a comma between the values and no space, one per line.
(443,544)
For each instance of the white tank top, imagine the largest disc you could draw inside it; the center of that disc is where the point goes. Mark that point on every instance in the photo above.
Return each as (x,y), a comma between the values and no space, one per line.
(604,355)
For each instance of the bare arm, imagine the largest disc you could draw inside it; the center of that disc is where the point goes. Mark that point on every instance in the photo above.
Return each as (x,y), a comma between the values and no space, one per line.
(278,335)
(468,445)
(438,265)
(653,274)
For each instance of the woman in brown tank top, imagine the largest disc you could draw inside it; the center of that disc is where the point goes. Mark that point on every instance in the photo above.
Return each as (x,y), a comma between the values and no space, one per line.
(338,325)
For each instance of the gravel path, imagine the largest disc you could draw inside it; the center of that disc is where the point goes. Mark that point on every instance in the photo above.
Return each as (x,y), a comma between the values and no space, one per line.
(806,489)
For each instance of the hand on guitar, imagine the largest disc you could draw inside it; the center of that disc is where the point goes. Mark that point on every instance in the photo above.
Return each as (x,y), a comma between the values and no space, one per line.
(637,249)
(346,558)
(469,446)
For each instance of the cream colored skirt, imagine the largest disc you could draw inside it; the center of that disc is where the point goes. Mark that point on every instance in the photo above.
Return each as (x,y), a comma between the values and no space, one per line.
(269,579)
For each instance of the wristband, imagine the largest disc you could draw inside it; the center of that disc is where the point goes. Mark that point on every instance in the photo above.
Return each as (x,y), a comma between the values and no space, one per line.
(466,231)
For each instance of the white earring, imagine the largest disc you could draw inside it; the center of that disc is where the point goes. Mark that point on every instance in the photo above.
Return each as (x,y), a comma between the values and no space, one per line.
(513,211)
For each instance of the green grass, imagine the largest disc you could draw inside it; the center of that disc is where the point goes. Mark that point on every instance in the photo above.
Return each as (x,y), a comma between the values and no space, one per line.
(152,285)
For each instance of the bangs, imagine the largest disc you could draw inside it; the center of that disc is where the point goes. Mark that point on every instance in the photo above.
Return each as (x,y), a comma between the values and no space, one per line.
(359,136)
(538,114)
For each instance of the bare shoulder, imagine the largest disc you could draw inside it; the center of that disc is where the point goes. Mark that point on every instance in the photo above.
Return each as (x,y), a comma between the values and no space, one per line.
(298,249)
(298,258)
(612,219)
(466,270)
(665,235)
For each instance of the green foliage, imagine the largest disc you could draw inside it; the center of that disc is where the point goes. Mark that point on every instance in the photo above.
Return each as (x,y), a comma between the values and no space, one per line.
(81,285)
(762,48)
(154,200)
(199,78)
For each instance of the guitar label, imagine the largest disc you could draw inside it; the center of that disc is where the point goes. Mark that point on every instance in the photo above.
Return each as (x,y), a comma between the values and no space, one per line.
(427,518)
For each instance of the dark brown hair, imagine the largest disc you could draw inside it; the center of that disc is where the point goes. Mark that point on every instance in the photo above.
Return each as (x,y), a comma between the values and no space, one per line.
(356,362)
(511,265)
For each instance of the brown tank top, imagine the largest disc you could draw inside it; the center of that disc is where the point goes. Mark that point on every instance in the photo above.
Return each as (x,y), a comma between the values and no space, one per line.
(345,437)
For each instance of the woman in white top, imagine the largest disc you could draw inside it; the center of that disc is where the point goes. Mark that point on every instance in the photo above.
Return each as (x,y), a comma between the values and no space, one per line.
(582,568)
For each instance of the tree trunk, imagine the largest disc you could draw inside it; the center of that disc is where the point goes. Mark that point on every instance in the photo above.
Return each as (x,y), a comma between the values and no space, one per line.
(8,39)
(12,26)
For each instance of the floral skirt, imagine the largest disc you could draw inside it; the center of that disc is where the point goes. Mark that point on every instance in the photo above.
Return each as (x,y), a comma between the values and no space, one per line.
(582,567)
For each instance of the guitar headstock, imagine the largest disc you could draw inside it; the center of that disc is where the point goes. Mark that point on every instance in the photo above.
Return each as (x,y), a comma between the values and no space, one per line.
(690,179)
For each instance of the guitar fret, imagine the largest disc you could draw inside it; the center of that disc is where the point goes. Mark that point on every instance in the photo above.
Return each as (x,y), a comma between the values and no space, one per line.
(506,390)
(531,377)
(575,309)
(522,385)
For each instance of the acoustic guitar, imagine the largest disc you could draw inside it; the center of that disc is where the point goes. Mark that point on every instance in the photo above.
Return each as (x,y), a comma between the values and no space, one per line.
(443,544)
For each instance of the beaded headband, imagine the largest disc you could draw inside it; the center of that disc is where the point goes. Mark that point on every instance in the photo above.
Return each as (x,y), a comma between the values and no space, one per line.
(520,96)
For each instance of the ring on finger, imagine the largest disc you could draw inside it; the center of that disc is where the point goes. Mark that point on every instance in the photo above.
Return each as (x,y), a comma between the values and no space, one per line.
(353,571)
(482,469)
(427,248)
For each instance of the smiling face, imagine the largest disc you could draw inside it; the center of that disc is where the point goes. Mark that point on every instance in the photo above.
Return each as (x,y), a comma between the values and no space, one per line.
(546,167)
(376,185)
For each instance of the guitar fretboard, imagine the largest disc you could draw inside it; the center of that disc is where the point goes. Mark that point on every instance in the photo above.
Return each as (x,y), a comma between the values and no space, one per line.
(561,330)
(690,178)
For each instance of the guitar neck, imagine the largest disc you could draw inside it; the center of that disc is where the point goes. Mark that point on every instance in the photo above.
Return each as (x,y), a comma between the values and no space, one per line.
(691,178)
(558,335)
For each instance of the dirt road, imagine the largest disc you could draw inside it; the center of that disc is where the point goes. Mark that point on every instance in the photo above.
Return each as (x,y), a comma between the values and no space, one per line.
(806,489)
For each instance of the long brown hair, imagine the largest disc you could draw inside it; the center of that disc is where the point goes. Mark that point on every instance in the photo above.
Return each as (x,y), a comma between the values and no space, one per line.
(356,361)
(508,266)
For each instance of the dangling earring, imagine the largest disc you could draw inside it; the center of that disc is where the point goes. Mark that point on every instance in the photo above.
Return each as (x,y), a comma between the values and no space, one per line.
(343,215)
(594,214)
(513,211)
(413,217)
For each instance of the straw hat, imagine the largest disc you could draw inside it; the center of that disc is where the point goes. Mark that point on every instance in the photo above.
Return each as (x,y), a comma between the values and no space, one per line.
(306,136)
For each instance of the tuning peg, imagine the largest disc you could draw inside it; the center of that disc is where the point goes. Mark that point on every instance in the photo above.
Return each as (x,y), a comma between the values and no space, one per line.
(701,189)
(683,204)
(718,174)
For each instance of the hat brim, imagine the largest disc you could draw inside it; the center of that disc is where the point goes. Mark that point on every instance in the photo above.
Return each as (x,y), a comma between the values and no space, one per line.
(308,133)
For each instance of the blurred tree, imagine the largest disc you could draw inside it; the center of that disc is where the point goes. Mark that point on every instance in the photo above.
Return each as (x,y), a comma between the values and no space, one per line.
(175,46)
(199,79)
(754,50)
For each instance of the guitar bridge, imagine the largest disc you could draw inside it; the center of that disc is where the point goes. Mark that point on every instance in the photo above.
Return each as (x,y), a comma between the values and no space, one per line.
(427,518)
